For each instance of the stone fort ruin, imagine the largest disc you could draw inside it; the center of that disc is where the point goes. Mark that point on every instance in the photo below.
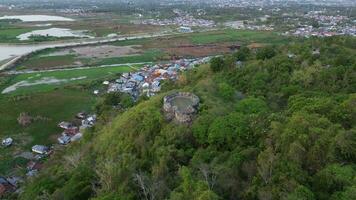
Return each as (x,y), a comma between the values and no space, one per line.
(181,106)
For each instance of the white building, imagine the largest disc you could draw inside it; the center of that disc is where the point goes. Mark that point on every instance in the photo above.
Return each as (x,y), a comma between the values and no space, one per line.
(40,149)
(7,142)
(185,29)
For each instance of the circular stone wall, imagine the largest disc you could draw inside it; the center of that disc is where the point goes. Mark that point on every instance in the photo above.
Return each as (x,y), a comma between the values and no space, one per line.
(181,106)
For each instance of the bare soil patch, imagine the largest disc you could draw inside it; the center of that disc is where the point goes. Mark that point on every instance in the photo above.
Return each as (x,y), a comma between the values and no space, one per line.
(106,51)
(197,50)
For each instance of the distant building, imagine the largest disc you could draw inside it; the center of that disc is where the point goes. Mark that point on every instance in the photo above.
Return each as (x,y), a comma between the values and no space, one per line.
(5,186)
(32,165)
(65,125)
(40,149)
(64,139)
(185,29)
(7,142)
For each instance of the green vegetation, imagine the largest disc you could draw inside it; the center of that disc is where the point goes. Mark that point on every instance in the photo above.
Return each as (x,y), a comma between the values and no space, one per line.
(63,77)
(48,104)
(42,60)
(231,35)
(154,49)
(42,38)
(48,109)
(8,34)
(217,36)
(279,127)
(217,64)
(46,62)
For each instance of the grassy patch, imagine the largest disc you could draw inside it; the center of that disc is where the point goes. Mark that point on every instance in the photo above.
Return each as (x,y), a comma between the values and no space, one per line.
(54,106)
(9,34)
(48,62)
(230,35)
(89,74)
(220,36)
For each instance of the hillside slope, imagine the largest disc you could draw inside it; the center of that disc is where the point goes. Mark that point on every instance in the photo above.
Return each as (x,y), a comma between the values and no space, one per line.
(279,125)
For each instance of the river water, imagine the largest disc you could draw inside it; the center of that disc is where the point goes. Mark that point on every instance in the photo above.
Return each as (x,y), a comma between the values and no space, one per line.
(36,18)
(11,51)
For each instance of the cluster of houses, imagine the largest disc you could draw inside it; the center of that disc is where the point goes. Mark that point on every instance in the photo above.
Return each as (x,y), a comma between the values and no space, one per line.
(71,132)
(310,31)
(327,25)
(327,20)
(147,81)
(184,20)
(241,25)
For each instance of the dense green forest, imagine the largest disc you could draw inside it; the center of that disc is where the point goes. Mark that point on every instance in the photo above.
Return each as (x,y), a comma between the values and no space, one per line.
(278,124)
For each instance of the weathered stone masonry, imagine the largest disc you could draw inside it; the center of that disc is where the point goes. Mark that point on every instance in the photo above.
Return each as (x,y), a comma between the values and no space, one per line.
(181,115)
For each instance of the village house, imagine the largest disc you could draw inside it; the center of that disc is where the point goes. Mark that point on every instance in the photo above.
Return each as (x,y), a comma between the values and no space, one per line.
(40,149)
(65,125)
(5,186)
(147,81)
(64,139)
(185,29)
(32,165)
(7,142)
(71,131)
(88,122)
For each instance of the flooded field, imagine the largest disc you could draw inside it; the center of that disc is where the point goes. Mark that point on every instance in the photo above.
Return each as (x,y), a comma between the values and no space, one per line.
(44,80)
(54,32)
(36,18)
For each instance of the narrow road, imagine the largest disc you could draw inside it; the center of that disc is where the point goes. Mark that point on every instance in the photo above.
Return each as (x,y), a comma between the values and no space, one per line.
(131,65)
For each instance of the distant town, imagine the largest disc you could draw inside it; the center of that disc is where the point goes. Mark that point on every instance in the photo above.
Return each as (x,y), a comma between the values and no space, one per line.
(61,62)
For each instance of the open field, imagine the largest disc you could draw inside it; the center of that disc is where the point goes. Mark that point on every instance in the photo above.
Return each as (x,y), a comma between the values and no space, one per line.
(94,24)
(152,49)
(9,34)
(244,37)
(91,56)
(49,104)
(47,62)
(210,37)
(48,81)
(149,55)
(49,108)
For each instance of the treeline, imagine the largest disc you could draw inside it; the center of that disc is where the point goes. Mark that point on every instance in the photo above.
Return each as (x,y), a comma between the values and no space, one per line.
(273,123)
